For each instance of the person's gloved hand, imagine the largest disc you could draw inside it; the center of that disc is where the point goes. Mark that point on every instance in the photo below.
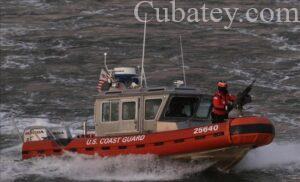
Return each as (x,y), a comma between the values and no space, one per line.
(229,106)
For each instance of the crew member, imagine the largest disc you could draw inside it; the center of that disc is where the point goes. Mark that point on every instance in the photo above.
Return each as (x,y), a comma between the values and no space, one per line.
(222,103)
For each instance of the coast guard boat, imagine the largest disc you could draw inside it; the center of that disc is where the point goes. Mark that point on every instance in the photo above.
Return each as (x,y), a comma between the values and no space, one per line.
(174,123)
(131,118)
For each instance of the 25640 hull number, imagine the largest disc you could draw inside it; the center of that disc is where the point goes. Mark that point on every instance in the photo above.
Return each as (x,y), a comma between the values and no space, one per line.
(206,129)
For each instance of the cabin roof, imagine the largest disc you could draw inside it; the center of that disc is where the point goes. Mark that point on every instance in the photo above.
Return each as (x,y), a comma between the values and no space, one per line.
(149,91)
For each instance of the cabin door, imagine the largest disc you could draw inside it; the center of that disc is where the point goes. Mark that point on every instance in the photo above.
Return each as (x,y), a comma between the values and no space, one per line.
(152,109)
(130,114)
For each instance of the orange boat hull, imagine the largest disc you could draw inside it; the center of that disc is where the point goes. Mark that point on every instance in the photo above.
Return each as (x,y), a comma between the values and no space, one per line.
(239,135)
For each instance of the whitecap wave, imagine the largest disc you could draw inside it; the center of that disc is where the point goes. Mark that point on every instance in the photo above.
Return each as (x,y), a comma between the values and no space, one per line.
(273,156)
(277,42)
(65,81)
(43,58)
(61,45)
(17,61)
(38,4)
(287,47)
(276,84)
(94,12)
(17,29)
(7,44)
(287,1)
(7,126)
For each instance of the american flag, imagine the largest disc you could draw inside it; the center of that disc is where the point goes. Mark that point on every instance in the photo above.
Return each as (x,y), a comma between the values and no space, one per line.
(104,82)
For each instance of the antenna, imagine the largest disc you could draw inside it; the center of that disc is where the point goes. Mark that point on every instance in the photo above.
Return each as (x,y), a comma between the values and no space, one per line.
(183,70)
(17,130)
(143,75)
(105,54)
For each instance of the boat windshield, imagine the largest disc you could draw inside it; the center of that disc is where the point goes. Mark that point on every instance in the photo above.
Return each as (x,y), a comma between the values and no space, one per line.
(182,107)
(195,107)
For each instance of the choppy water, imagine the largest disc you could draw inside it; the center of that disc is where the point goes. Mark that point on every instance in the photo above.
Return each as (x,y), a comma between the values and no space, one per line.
(51,54)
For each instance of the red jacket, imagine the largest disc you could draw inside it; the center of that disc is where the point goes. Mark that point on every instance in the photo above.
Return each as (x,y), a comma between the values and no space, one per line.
(220,101)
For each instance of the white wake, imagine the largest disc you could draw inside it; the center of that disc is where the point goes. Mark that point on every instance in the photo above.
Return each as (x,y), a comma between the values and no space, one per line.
(84,168)
(273,156)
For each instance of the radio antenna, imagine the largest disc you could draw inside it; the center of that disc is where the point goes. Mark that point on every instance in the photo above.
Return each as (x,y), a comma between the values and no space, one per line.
(105,54)
(143,75)
(17,130)
(183,67)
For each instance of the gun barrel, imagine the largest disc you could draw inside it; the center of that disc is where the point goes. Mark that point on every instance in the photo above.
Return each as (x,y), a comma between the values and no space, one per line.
(241,97)
(248,88)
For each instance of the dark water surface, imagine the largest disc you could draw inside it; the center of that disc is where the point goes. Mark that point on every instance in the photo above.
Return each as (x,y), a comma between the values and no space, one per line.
(51,56)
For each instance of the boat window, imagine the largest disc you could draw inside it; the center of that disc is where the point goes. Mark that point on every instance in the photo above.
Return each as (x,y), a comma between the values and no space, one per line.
(105,111)
(128,111)
(182,107)
(151,108)
(110,111)
(114,113)
(203,110)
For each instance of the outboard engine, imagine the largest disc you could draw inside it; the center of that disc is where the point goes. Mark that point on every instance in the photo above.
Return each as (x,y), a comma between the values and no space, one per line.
(36,133)
(62,135)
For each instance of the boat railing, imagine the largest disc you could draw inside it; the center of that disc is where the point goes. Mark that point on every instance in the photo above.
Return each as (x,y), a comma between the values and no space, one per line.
(184,88)
(114,92)
(156,89)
